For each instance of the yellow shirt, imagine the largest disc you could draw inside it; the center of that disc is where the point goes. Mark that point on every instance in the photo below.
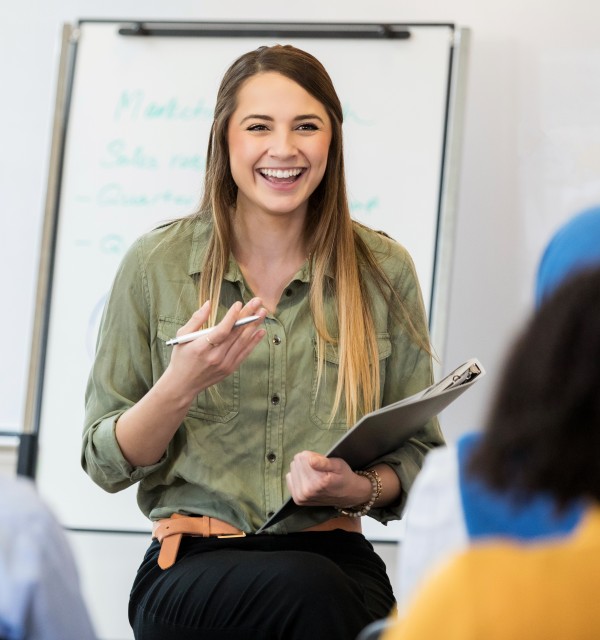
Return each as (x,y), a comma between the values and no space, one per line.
(230,455)
(506,591)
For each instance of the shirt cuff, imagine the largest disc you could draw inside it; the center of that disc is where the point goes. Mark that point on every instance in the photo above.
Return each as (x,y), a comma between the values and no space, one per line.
(117,472)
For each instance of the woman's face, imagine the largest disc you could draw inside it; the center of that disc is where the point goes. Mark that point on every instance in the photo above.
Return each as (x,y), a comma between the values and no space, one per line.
(278,138)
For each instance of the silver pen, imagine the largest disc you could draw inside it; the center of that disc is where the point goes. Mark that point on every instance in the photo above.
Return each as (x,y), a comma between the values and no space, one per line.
(188,337)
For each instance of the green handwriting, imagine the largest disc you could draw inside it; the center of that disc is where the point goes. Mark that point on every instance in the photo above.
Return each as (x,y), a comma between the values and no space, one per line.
(115,195)
(134,105)
(119,156)
(367,206)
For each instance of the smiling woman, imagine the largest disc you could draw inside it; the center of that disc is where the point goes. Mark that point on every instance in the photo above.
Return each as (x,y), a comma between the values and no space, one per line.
(221,430)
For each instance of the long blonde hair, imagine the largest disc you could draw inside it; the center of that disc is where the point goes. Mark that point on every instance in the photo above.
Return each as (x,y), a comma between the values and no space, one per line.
(334,245)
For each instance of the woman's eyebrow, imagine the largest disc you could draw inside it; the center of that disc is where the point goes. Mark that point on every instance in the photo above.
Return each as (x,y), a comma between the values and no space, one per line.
(258,116)
(309,116)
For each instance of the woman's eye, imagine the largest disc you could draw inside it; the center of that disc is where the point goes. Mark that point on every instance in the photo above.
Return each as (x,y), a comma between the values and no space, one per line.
(307,126)
(257,127)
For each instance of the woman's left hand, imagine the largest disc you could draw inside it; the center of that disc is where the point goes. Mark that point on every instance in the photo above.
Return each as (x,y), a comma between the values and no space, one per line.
(315,480)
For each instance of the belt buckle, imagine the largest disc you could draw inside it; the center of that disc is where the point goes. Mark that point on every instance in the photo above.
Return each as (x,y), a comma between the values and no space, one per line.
(242,534)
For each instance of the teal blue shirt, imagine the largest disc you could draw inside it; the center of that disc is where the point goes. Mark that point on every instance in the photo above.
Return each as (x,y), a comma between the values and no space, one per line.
(229,457)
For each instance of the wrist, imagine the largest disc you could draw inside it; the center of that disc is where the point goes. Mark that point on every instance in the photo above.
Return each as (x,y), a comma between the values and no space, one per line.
(362,509)
(174,390)
(358,491)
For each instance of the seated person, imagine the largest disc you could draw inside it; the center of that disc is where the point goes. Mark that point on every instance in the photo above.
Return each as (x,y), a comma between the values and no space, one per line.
(219,432)
(542,439)
(447,509)
(40,597)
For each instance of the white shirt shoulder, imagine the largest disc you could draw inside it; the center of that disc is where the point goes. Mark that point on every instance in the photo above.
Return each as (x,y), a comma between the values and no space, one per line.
(434,522)
(40,596)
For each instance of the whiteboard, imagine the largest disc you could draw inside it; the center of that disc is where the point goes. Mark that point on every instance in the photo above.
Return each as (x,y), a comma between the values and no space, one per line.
(129,154)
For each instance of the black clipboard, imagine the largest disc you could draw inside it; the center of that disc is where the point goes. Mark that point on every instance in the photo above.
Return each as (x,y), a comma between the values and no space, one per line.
(386,429)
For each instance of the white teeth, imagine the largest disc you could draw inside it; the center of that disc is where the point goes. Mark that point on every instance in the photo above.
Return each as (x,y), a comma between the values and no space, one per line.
(281,173)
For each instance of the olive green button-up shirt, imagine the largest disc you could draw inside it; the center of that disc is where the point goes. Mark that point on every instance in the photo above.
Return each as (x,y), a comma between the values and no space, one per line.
(230,455)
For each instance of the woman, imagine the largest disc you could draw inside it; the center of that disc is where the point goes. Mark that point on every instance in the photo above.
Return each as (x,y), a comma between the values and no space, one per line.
(542,439)
(220,429)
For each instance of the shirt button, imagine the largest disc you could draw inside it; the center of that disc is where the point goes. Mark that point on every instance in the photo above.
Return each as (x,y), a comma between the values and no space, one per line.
(271,457)
(288,292)
(270,514)
(275,399)
(276,340)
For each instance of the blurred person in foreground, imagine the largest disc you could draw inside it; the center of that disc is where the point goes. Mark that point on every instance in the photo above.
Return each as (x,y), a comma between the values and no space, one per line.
(449,509)
(40,596)
(542,439)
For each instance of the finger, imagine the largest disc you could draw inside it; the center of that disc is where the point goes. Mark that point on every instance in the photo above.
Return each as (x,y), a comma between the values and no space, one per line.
(197,319)
(222,330)
(255,309)
(229,319)
(233,351)
(249,329)
(321,463)
(252,308)
(225,333)
(300,490)
(249,344)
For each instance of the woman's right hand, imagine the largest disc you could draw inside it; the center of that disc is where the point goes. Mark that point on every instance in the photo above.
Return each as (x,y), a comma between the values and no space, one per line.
(207,360)
(145,430)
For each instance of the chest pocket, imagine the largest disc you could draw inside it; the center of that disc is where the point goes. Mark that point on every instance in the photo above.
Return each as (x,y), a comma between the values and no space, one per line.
(323,397)
(221,402)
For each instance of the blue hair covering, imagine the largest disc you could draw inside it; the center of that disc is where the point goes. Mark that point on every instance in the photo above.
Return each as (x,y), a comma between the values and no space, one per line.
(575,246)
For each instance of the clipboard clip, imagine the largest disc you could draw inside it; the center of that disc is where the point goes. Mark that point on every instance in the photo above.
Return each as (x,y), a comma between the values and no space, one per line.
(465,376)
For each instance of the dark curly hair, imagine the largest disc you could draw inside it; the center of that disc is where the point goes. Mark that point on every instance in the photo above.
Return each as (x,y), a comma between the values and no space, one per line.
(543,430)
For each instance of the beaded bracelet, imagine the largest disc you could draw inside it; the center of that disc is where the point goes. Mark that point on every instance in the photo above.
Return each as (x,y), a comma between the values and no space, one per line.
(363,509)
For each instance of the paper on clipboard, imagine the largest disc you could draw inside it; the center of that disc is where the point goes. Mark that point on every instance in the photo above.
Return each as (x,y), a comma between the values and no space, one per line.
(386,429)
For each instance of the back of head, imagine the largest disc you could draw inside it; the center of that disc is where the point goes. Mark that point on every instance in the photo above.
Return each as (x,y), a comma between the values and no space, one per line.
(575,246)
(543,433)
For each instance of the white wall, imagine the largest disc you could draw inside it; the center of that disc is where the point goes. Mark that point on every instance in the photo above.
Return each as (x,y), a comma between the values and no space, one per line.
(531,151)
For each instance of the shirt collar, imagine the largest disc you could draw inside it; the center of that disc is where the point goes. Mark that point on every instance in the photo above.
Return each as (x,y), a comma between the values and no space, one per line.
(202,231)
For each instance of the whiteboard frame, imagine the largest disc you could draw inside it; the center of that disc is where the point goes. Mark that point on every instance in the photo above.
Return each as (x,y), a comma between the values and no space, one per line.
(449,187)
(447,197)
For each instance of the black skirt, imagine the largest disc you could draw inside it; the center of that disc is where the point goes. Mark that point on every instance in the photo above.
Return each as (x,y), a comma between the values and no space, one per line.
(301,586)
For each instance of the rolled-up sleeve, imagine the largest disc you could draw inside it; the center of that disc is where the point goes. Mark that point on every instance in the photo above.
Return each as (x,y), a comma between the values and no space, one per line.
(121,375)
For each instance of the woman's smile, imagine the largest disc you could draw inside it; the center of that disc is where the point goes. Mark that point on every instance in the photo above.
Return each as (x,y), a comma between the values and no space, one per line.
(275,175)
(282,179)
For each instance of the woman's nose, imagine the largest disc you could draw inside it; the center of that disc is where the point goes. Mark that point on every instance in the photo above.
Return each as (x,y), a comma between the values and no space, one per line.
(282,145)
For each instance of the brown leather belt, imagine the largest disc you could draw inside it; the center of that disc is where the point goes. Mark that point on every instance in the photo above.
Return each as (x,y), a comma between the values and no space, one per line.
(169,532)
